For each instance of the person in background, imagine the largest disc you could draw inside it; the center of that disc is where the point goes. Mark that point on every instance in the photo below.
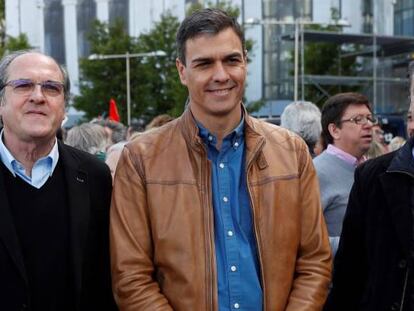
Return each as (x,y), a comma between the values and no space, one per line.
(347,122)
(116,131)
(216,210)
(158,121)
(54,199)
(374,264)
(396,143)
(375,150)
(304,119)
(88,137)
(378,136)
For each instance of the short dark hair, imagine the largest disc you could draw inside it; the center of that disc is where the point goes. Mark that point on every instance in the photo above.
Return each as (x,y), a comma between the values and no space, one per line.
(334,108)
(205,21)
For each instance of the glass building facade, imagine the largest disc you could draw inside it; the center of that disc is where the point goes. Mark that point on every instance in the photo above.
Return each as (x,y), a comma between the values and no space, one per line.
(277,53)
(86,13)
(404,17)
(54,30)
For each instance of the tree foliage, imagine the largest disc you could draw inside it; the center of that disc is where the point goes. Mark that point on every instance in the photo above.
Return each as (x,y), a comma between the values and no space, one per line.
(155,87)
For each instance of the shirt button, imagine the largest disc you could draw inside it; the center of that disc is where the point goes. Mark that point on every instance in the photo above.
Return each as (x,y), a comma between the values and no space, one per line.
(236,144)
(221,165)
(230,233)
(236,305)
(233,268)
(225,199)
(210,138)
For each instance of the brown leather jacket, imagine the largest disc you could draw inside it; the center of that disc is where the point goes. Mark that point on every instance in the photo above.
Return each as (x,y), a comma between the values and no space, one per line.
(162,243)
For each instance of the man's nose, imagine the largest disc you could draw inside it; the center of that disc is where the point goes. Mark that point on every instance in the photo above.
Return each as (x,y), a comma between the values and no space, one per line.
(37,93)
(220,73)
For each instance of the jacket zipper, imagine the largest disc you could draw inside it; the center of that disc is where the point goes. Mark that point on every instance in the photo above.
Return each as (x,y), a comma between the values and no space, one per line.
(256,232)
(404,290)
(406,274)
(209,240)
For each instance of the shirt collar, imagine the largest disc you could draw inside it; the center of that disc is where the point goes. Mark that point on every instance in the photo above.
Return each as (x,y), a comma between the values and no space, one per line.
(8,159)
(209,138)
(345,156)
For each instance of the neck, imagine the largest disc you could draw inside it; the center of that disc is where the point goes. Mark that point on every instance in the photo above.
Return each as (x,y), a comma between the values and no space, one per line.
(28,152)
(219,125)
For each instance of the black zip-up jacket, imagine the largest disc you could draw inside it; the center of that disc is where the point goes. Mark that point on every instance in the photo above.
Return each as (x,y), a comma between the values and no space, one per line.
(373,269)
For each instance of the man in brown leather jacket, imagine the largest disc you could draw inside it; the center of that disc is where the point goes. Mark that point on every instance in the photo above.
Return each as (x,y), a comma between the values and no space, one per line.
(217,210)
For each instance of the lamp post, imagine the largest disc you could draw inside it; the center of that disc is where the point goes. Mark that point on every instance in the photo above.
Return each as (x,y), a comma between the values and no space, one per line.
(299,40)
(127,57)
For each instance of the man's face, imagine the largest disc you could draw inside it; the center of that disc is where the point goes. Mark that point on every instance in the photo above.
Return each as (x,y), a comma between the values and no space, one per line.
(353,138)
(35,115)
(378,134)
(214,73)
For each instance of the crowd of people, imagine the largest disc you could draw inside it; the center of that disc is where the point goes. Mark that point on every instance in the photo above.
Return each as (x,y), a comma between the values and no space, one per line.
(213,210)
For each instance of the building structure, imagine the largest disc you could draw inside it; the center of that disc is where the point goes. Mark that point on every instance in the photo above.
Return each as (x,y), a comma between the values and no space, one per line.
(60,27)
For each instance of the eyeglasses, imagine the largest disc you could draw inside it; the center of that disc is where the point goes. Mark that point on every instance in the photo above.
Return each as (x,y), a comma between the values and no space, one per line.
(26,87)
(361,120)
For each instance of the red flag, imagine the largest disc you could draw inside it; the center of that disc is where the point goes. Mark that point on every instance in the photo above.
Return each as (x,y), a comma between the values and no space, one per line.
(113,111)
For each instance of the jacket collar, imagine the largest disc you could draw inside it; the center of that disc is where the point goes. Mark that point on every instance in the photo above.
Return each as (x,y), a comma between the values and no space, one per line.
(403,161)
(254,140)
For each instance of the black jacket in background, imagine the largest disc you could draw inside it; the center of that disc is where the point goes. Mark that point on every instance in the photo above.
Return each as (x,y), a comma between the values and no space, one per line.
(373,266)
(88,187)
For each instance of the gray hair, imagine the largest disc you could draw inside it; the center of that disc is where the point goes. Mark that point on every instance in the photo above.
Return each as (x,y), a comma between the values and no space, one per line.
(304,119)
(119,130)
(87,137)
(205,21)
(9,58)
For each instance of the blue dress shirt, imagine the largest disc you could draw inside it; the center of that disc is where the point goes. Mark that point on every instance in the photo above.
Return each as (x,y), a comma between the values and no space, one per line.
(41,171)
(238,270)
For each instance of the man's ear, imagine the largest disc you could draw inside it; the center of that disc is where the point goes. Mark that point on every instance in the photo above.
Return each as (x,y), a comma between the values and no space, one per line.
(181,71)
(334,130)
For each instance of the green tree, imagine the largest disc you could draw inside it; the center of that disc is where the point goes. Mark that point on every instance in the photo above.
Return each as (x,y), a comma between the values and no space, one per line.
(106,78)
(155,87)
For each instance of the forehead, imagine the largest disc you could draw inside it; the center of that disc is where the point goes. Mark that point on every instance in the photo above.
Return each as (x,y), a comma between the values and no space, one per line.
(226,41)
(356,109)
(34,66)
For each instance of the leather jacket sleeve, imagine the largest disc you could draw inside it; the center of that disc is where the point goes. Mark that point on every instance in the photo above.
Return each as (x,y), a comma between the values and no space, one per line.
(132,264)
(314,261)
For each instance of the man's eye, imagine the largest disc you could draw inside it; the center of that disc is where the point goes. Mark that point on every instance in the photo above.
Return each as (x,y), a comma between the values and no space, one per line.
(23,85)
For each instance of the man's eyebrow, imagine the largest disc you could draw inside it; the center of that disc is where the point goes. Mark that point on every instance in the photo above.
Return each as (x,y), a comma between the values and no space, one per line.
(209,59)
(201,60)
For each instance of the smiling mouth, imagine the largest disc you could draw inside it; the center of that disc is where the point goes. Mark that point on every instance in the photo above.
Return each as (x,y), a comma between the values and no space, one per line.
(221,91)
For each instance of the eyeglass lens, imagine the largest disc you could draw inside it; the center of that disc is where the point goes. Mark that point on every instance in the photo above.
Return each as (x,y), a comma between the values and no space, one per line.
(25,86)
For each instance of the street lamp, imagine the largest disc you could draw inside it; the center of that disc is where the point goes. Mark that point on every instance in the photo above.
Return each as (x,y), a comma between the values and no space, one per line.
(127,56)
(298,23)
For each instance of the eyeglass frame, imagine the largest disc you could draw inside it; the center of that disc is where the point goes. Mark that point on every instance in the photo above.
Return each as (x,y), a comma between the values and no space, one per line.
(10,82)
(364,120)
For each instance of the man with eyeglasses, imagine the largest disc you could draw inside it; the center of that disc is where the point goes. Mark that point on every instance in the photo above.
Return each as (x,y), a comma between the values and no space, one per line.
(374,266)
(54,199)
(347,123)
